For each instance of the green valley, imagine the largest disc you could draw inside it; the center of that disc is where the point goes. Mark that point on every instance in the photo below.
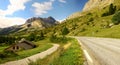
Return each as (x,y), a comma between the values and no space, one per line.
(97,19)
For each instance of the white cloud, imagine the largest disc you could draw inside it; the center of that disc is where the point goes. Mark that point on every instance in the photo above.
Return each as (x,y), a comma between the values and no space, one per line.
(52,0)
(15,5)
(62,1)
(60,21)
(42,8)
(6,22)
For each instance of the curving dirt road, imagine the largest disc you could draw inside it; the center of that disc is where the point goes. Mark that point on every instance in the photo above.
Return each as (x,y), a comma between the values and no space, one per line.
(101,51)
(33,58)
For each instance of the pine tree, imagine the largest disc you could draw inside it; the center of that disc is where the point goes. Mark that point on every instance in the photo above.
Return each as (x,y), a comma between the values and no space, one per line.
(41,36)
(116,18)
(65,31)
(31,37)
(112,9)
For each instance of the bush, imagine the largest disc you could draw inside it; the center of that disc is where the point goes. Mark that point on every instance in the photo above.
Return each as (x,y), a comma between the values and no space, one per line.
(54,39)
(82,29)
(116,18)
(6,54)
(35,37)
(7,39)
(65,31)
(91,19)
(39,37)
(31,37)
(111,10)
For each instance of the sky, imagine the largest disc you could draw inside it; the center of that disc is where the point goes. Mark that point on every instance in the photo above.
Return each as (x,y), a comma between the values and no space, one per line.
(16,12)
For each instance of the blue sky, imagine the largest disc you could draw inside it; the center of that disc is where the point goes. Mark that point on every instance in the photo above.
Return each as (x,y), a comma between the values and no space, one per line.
(14,12)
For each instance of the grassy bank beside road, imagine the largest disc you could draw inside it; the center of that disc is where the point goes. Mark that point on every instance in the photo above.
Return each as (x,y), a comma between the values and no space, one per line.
(72,55)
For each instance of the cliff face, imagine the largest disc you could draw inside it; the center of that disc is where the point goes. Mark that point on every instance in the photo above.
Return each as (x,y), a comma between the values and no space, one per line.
(90,5)
(96,3)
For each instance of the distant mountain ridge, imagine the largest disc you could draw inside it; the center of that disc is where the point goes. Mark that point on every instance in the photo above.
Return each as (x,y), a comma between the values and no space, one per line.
(31,25)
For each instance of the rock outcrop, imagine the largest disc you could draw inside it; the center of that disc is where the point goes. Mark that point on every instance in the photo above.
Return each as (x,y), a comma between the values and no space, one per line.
(96,3)
(90,5)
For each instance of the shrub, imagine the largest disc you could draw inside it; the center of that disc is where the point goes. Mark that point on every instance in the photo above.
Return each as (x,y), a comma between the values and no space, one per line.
(39,37)
(90,20)
(116,18)
(65,31)
(31,37)
(82,29)
(111,10)
(89,13)
(6,54)
(54,39)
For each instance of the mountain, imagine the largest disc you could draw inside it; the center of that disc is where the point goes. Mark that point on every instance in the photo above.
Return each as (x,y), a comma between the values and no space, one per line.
(40,22)
(94,20)
(30,25)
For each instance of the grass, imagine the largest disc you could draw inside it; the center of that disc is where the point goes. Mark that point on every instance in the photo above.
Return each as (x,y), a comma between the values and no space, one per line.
(41,46)
(2,48)
(73,55)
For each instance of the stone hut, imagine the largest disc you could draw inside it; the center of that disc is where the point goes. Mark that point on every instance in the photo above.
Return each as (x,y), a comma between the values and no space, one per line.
(22,44)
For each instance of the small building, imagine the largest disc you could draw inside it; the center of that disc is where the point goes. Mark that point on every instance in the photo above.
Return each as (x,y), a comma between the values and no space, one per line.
(22,44)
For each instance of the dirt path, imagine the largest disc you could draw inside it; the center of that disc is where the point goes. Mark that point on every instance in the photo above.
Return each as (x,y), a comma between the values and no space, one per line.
(33,58)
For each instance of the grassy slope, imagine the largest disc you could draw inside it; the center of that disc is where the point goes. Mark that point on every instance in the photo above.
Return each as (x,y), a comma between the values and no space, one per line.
(84,26)
(2,48)
(41,46)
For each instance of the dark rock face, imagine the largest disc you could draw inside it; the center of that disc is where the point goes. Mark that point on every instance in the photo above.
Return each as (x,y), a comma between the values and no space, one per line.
(33,19)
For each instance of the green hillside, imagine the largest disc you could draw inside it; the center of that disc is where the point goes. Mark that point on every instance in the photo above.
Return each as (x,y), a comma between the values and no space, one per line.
(95,22)
(92,23)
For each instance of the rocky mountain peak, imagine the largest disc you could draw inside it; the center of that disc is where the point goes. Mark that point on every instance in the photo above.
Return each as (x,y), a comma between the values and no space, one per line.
(33,19)
(40,22)
(47,20)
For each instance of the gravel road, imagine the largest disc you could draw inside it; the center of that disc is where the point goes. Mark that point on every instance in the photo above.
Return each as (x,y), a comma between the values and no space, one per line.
(103,51)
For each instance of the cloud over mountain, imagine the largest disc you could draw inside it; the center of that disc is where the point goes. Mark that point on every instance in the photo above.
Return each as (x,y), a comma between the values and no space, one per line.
(63,1)
(6,22)
(42,8)
(14,6)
